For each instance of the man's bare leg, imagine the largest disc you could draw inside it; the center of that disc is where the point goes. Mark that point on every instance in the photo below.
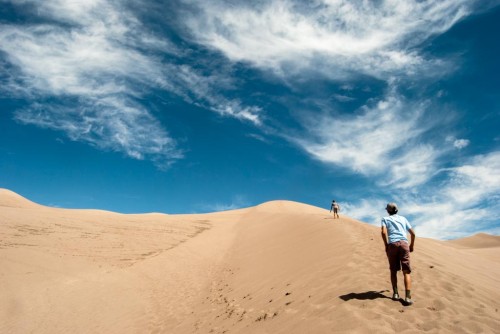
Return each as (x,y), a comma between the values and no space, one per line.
(394,281)
(407,279)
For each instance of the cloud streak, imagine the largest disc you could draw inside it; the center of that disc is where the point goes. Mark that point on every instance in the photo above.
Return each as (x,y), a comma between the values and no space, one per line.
(342,41)
(386,138)
(374,38)
(93,67)
(98,58)
(237,202)
(109,124)
(467,201)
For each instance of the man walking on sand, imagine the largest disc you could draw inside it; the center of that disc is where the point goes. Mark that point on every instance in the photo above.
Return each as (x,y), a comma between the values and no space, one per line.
(335,207)
(394,234)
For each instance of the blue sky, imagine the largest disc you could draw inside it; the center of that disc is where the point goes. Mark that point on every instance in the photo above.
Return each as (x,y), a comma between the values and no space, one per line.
(196,106)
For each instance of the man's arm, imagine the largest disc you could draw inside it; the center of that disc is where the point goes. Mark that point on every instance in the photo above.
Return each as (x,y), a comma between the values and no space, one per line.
(412,242)
(384,236)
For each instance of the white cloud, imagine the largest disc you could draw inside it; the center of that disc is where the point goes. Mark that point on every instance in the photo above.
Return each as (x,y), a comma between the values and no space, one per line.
(237,202)
(343,40)
(98,55)
(475,182)
(452,223)
(96,64)
(288,36)
(343,98)
(198,89)
(413,167)
(109,123)
(368,210)
(383,139)
(461,143)
(468,202)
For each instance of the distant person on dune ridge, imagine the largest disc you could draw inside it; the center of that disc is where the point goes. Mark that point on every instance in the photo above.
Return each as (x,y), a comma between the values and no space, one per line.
(336,208)
(394,234)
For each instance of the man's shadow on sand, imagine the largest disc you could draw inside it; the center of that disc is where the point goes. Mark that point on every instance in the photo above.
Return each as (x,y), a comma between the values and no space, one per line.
(368,295)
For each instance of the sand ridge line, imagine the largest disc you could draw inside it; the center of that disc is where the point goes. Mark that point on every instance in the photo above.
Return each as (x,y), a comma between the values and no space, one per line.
(280,267)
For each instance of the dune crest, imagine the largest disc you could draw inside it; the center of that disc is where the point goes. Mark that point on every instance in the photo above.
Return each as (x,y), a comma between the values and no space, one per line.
(11,199)
(283,206)
(279,267)
(480,240)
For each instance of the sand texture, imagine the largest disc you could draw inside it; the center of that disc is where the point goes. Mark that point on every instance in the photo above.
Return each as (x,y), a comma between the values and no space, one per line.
(280,267)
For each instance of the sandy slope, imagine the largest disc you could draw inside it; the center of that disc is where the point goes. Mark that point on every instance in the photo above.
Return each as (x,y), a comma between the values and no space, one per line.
(480,240)
(280,267)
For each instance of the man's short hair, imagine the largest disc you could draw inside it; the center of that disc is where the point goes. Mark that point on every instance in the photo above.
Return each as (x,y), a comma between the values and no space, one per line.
(392,208)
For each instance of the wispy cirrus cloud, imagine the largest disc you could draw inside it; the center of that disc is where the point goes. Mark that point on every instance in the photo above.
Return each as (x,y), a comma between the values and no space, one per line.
(198,89)
(237,202)
(335,38)
(467,201)
(386,138)
(96,79)
(99,60)
(398,141)
(369,210)
(343,41)
(477,180)
(108,123)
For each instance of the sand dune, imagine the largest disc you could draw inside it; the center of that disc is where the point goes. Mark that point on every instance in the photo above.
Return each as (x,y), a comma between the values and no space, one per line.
(280,267)
(480,240)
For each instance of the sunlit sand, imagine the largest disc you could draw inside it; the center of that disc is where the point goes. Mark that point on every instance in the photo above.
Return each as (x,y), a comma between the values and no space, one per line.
(280,267)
